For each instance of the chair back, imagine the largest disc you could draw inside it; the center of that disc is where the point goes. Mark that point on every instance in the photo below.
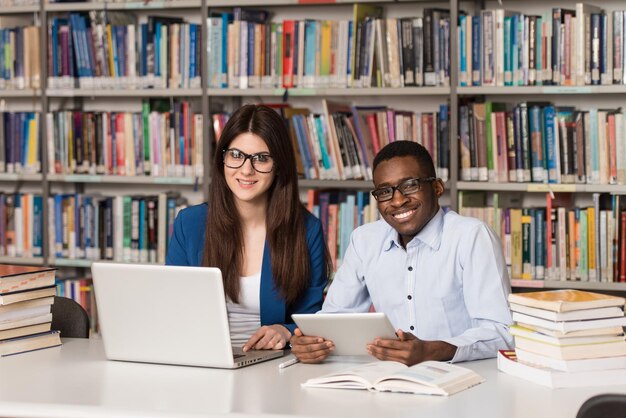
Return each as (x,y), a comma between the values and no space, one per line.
(609,405)
(70,318)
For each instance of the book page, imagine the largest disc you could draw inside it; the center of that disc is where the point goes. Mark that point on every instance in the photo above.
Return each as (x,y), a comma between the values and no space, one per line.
(362,376)
(430,377)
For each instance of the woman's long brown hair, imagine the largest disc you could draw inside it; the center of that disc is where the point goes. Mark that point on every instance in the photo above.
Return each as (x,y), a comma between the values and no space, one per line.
(286,233)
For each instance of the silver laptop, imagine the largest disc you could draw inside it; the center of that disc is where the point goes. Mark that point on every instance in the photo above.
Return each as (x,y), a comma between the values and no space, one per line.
(166,314)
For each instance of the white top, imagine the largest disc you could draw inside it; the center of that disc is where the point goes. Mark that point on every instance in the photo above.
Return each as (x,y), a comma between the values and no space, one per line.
(244,318)
(449,284)
(76,381)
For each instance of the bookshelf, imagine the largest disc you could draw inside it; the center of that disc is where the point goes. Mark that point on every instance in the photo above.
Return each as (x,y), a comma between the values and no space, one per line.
(210,99)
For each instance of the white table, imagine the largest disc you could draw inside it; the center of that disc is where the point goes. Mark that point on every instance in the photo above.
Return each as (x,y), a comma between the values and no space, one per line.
(76,380)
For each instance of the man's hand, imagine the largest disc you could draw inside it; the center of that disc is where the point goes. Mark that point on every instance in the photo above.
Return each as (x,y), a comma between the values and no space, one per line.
(268,337)
(310,349)
(410,350)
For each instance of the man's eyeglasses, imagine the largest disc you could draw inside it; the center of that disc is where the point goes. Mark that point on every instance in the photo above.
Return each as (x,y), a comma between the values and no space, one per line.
(261,161)
(407,187)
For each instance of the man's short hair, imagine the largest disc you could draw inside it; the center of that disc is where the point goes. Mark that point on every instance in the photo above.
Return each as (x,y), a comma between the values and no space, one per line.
(407,149)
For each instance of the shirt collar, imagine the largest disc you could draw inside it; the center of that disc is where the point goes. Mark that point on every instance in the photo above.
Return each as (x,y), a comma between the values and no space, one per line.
(429,235)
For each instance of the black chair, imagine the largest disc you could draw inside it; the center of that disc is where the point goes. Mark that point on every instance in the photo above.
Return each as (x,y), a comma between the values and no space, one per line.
(70,318)
(609,405)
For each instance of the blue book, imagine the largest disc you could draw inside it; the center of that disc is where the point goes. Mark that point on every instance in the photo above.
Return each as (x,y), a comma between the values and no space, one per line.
(536,144)
(143,62)
(157,49)
(250,48)
(142,245)
(350,40)
(37,226)
(362,199)
(309,52)
(226,18)
(299,122)
(192,50)
(549,112)
(476,61)
(322,140)
(462,49)
(508,52)
(76,45)
(24,132)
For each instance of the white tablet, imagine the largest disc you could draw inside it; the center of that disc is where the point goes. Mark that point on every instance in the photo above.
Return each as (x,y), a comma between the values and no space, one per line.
(351,332)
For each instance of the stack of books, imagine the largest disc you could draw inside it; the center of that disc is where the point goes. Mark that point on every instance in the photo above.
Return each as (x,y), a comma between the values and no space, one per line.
(26,297)
(567,338)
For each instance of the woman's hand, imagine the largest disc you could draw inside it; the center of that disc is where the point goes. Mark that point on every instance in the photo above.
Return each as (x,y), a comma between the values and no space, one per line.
(268,337)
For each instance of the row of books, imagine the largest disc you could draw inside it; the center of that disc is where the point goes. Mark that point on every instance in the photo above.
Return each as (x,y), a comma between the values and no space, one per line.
(539,142)
(20,66)
(340,213)
(81,291)
(21,225)
(341,142)
(26,297)
(559,241)
(247,50)
(104,49)
(19,142)
(8,3)
(121,228)
(567,338)
(159,141)
(581,46)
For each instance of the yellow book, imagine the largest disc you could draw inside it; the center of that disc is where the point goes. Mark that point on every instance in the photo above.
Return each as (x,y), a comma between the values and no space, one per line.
(591,239)
(516,243)
(110,46)
(33,144)
(565,300)
(325,53)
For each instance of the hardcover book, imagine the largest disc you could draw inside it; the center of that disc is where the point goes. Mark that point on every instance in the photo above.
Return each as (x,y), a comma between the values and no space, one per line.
(427,378)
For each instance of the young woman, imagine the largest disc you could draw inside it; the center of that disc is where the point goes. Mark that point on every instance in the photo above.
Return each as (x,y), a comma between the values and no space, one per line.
(271,251)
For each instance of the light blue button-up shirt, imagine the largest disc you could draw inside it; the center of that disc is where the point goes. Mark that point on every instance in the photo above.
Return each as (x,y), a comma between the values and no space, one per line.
(450,284)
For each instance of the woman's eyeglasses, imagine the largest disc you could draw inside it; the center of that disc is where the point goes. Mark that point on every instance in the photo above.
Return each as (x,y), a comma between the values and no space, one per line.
(261,161)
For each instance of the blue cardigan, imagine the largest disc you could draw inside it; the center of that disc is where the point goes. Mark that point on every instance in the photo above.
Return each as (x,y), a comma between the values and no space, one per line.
(186,248)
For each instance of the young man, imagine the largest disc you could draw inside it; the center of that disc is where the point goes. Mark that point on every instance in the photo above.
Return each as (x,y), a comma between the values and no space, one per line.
(440,277)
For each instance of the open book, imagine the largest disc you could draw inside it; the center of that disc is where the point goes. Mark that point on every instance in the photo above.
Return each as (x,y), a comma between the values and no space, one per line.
(427,378)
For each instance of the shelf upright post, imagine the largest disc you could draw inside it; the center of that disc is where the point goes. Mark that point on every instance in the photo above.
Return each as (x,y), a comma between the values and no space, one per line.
(454,106)
(206,114)
(43,83)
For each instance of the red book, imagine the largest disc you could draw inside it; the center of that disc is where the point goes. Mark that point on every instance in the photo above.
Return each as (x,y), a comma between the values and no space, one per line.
(289,33)
(371,123)
(120,146)
(622,248)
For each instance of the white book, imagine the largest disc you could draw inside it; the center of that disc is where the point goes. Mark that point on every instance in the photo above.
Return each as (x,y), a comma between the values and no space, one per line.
(573,351)
(426,378)
(567,326)
(582,365)
(509,364)
(565,340)
(614,330)
(610,312)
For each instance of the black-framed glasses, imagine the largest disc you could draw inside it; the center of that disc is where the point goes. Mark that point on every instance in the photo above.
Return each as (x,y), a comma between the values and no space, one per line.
(261,161)
(383,194)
